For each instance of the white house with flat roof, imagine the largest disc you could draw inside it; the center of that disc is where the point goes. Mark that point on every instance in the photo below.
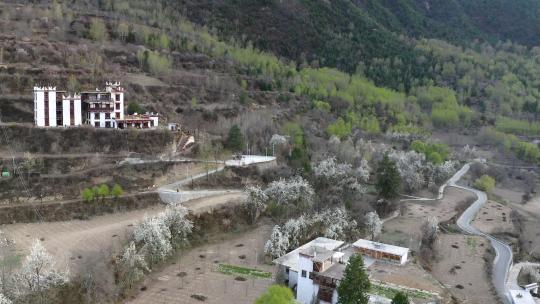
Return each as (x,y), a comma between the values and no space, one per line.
(383,252)
(315,269)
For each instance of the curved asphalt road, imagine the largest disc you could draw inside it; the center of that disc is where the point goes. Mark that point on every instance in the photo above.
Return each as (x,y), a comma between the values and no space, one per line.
(503,258)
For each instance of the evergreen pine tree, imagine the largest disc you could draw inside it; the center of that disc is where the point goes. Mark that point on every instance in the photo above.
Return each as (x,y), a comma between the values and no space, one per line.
(235,141)
(355,284)
(400,298)
(388,179)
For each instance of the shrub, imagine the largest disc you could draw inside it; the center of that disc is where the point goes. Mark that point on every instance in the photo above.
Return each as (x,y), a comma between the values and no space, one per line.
(485,183)
(87,195)
(340,128)
(117,191)
(98,31)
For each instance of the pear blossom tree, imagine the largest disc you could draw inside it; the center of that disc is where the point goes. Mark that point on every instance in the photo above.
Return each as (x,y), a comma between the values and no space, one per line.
(133,265)
(4,299)
(295,192)
(296,230)
(278,244)
(180,227)
(255,203)
(429,229)
(373,224)
(338,182)
(39,273)
(154,235)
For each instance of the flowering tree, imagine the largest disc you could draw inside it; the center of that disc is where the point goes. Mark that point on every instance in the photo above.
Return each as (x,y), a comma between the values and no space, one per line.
(373,224)
(154,235)
(429,231)
(278,244)
(294,191)
(337,223)
(296,230)
(277,140)
(337,182)
(410,167)
(363,171)
(38,272)
(4,299)
(256,202)
(180,227)
(133,265)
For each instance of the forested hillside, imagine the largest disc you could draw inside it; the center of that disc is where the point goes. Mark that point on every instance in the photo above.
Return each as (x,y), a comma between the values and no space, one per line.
(347,67)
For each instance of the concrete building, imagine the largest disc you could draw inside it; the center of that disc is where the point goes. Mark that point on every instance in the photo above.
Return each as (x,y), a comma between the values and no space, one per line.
(98,108)
(54,108)
(315,269)
(104,107)
(139,121)
(382,252)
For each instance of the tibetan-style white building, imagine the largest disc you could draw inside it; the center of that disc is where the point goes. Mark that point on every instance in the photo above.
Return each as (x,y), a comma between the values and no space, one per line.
(99,108)
(53,108)
(315,269)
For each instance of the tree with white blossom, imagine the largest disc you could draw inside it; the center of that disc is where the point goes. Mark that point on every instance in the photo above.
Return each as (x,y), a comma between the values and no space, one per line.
(4,299)
(255,202)
(39,273)
(296,230)
(373,224)
(133,265)
(277,140)
(363,171)
(278,244)
(337,182)
(293,192)
(337,223)
(154,236)
(180,227)
(410,166)
(429,229)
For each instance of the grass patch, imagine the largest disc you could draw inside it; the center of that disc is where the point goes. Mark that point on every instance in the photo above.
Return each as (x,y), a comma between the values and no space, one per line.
(389,292)
(243,271)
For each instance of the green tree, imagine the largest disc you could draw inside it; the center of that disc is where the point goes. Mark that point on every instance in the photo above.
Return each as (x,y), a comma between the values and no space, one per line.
(276,294)
(87,195)
(400,298)
(98,31)
(235,140)
(117,190)
(134,107)
(388,179)
(103,191)
(355,284)
(485,183)
(340,128)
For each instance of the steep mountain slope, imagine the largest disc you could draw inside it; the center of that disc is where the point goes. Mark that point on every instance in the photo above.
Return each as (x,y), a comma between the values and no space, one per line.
(341,33)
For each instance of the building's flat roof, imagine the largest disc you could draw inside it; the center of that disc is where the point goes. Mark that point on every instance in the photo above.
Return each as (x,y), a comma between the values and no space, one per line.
(521,297)
(291,259)
(361,243)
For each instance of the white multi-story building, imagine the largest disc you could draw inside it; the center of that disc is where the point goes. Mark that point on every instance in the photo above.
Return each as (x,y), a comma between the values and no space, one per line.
(103,108)
(315,269)
(99,108)
(54,108)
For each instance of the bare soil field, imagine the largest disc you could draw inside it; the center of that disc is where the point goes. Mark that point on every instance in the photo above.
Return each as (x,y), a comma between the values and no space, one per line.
(409,275)
(494,218)
(461,267)
(529,228)
(405,229)
(194,273)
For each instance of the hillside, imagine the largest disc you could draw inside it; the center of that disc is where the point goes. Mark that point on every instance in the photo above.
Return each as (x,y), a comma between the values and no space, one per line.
(343,33)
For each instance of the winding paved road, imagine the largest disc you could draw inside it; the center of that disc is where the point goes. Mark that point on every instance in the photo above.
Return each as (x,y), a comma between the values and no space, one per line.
(503,258)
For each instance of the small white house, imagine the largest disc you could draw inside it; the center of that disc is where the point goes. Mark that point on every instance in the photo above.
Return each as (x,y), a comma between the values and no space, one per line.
(315,269)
